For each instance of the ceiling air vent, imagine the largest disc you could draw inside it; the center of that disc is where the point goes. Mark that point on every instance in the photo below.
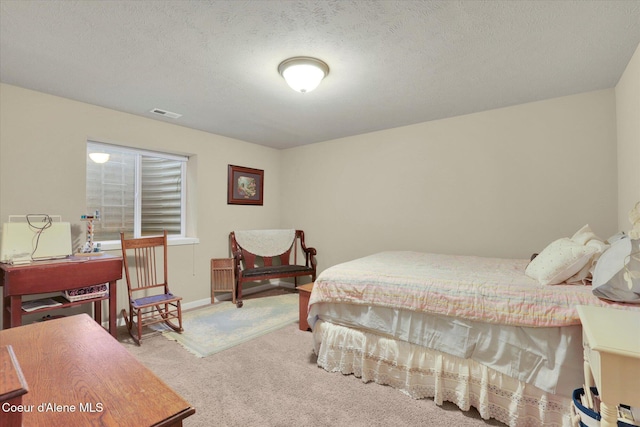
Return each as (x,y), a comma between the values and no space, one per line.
(165,113)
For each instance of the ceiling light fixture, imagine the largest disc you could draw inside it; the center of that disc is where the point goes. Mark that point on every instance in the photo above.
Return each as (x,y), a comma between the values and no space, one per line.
(303,73)
(99,157)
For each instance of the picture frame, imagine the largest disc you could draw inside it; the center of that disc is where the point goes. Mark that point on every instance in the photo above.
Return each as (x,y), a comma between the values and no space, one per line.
(245,186)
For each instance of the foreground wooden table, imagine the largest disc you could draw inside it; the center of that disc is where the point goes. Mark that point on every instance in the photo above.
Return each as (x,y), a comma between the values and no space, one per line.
(12,387)
(78,375)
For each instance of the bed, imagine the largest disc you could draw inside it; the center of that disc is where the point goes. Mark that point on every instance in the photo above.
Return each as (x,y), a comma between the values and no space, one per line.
(474,331)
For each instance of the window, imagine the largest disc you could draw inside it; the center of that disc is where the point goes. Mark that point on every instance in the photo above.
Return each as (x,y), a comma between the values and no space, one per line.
(138,192)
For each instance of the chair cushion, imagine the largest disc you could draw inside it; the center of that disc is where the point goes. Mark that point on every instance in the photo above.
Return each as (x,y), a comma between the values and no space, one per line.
(154,299)
(276,270)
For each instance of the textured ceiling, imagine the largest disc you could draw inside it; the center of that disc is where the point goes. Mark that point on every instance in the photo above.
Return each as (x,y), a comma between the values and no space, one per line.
(393,63)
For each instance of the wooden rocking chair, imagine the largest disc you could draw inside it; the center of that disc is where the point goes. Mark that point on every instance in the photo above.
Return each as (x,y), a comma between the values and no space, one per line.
(150,300)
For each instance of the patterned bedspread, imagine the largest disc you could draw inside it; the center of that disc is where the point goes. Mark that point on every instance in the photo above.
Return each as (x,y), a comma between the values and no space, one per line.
(490,290)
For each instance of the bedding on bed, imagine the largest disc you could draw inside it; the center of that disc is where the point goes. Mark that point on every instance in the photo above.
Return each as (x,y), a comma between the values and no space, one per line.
(492,290)
(470,330)
(543,357)
(422,373)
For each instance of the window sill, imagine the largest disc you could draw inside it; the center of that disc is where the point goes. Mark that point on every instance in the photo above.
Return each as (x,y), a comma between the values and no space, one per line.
(113,245)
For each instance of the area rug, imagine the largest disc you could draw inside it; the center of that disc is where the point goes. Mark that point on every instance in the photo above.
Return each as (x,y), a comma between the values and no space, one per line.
(217,327)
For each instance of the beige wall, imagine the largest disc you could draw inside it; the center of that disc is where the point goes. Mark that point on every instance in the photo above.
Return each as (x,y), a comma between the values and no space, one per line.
(42,170)
(628,124)
(500,183)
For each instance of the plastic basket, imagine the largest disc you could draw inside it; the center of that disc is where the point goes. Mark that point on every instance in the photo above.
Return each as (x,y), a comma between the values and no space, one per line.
(89,292)
(589,417)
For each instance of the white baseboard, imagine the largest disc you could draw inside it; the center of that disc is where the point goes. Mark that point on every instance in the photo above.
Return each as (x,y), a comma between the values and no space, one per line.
(196,304)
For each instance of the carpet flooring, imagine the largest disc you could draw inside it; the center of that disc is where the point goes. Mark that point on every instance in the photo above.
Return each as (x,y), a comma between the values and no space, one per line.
(273,380)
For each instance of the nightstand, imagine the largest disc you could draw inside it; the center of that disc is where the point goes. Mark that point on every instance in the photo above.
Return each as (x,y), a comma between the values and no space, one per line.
(611,341)
(305,293)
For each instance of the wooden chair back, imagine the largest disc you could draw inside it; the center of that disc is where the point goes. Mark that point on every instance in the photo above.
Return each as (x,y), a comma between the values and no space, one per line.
(250,260)
(147,257)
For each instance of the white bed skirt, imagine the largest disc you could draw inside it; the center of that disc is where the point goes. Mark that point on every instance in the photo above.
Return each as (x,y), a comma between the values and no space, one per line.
(423,373)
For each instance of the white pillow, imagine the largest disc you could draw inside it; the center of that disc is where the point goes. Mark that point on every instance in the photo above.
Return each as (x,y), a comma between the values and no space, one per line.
(585,236)
(559,261)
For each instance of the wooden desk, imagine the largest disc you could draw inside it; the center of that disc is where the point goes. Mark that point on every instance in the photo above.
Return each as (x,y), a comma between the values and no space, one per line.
(611,340)
(59,275)
(79,376)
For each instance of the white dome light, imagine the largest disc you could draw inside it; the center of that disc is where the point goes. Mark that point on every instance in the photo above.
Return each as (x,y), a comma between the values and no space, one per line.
(99,157)
(302,73)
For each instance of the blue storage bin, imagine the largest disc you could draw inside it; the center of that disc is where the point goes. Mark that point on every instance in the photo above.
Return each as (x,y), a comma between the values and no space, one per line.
(589,417)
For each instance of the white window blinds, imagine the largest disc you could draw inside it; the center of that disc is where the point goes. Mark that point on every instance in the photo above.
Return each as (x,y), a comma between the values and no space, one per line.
(138,192)
(161,200)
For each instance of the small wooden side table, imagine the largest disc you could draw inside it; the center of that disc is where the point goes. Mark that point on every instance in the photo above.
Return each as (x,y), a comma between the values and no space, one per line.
(304,292)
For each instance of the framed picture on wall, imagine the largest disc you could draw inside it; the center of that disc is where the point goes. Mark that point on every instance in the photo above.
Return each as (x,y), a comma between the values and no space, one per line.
(246,186)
